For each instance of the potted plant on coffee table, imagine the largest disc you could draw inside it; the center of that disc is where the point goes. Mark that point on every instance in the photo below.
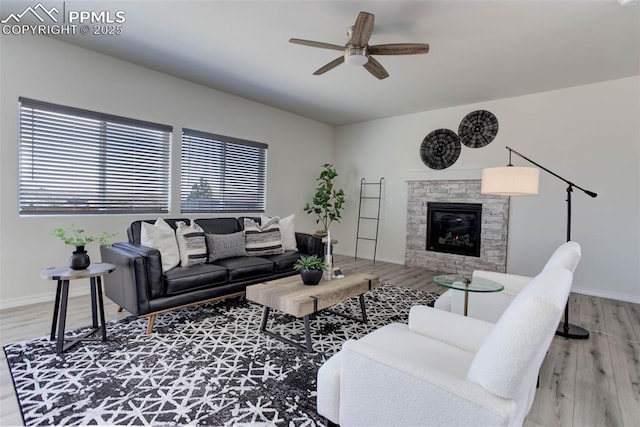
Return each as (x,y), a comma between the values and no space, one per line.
(311,268)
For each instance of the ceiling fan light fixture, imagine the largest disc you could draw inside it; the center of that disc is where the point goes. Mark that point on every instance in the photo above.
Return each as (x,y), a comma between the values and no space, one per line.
(357,50)
(356,55)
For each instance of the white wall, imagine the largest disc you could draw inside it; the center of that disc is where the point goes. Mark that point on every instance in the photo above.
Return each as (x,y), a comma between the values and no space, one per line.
(48,70)
(588,134)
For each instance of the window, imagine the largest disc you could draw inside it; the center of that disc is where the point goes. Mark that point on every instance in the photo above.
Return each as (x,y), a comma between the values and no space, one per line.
(74,161)
(222,174)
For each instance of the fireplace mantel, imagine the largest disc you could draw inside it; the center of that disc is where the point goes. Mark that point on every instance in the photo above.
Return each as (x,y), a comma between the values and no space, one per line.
(443,175)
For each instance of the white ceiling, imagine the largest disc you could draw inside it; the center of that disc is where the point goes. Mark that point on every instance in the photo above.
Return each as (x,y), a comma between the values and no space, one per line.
(480,50)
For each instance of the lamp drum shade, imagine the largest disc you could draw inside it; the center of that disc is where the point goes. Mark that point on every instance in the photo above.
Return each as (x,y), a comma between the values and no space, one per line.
(510,181)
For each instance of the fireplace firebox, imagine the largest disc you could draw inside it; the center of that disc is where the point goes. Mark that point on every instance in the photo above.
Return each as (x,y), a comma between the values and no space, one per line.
(454,228)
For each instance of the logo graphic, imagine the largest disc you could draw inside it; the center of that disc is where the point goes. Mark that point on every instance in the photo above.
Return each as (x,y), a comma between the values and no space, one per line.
(69,22)
(33,11)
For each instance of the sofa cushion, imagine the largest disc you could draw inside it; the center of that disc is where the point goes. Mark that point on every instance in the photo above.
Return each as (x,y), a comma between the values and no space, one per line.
(241,268)
(263,239)
(516,346)
(162,237)
(219,225)
(284,261)
(328,386)
(397,339)
(225,245)
(510,351)
(566,256)
(444,301)
(185,279)
(192,245)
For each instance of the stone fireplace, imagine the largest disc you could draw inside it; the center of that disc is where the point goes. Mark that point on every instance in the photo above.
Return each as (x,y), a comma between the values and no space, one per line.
(453,228)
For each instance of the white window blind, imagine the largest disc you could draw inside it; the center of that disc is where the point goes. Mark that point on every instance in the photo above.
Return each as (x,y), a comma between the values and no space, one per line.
(74,161)
(222,174)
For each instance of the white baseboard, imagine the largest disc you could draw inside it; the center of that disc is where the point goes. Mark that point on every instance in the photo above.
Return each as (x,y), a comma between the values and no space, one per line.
(618,296)
(44,297)
(378,258)
(391,260)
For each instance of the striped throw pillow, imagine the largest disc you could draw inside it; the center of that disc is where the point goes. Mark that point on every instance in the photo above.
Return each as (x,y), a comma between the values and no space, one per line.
(263,239)
(192,244)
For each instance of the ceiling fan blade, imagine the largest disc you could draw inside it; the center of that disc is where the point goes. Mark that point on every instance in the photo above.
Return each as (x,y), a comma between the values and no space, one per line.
(333,64)
(362,29)
(375,68)
(317,44)
(399,49)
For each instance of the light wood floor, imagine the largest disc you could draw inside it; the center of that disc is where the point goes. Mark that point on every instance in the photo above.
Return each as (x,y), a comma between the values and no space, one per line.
(595,382)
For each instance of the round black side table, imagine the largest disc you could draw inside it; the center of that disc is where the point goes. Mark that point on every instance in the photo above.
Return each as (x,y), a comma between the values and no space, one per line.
(63,275)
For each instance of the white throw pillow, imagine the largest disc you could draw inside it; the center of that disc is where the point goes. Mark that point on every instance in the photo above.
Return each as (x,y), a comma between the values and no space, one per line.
(192,244)
(287,231)
(161,237)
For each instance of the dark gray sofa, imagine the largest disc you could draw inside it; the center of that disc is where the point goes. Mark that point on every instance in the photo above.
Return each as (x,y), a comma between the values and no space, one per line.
(139,286)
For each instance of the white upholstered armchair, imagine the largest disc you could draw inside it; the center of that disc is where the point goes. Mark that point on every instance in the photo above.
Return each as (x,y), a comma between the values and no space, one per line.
(490,306)
(446,369)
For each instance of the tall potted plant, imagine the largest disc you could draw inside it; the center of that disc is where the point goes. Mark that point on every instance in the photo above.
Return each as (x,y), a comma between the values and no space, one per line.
(328,201)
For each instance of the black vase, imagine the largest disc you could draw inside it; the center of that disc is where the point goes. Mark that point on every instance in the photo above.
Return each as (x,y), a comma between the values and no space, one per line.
(311,277)
(80,259)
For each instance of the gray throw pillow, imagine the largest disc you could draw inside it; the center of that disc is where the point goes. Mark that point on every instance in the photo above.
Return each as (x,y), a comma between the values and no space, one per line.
(225,245)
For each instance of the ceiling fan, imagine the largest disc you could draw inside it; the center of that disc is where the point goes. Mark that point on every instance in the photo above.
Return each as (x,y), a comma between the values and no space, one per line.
(357,50)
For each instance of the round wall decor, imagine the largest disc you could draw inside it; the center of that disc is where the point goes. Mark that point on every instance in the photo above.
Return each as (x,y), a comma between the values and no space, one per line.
(478,128)
(440,149)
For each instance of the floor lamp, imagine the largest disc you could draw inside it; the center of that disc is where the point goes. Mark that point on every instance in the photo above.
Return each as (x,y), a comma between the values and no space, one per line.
(519,181)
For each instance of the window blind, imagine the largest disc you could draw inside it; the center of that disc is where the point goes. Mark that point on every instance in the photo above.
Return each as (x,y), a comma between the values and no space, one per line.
(73,161)
(222,174)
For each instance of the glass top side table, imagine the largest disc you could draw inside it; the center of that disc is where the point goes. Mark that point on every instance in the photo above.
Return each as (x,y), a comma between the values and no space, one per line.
(465,285)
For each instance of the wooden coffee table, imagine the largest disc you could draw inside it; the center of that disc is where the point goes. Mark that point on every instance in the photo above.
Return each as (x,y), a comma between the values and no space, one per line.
(292,297)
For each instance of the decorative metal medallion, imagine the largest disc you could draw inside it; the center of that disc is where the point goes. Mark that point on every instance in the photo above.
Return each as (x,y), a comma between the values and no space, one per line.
(440,149)
(478,128)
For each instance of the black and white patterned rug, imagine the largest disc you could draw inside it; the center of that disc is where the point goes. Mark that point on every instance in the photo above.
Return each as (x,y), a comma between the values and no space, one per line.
(206,365)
